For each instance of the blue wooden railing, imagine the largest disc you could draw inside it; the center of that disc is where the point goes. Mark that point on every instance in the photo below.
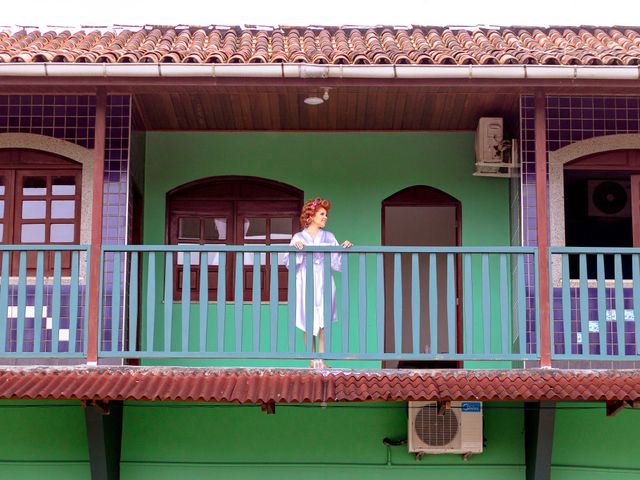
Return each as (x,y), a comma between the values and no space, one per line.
(595,303)
(452,303)
(458,303)
(43,300)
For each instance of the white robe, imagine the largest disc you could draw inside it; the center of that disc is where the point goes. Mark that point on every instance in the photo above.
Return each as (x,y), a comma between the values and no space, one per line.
(322,238)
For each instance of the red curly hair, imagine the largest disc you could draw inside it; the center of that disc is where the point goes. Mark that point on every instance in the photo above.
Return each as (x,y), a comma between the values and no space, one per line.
(310,208)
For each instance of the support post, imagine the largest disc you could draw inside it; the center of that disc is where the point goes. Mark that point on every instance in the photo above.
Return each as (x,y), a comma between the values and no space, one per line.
(104,437)
(96,226)
(542,220)
(539,422)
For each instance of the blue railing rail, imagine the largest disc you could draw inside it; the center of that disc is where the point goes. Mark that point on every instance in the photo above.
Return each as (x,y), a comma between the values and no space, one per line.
(451,303)
(43,300)
(595,303)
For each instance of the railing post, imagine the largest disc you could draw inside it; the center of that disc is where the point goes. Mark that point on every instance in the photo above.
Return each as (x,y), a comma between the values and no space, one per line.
(96,227)
(542,219)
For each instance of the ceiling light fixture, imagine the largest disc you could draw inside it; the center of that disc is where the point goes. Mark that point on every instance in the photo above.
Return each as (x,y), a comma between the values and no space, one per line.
(314,100)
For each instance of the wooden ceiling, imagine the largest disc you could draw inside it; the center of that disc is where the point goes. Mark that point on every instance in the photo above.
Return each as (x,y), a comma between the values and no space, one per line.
(348,108)
(277,105)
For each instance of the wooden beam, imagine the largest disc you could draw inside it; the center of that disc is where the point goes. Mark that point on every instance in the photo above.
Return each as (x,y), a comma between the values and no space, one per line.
(104,438)
(542,220)
(138,113)
(524,86)
(96,226)
(539,421)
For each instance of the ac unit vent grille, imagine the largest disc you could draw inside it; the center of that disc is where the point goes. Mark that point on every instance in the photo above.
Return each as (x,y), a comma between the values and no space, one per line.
(610,197)
(433,429)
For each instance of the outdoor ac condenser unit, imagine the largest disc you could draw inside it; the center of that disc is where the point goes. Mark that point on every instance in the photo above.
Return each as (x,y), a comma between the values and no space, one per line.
(495,156)
(609,198)
(454,430)
(489,136)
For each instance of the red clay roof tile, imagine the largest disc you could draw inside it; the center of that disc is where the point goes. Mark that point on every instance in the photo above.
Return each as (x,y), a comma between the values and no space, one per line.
(304,385)
(328,45)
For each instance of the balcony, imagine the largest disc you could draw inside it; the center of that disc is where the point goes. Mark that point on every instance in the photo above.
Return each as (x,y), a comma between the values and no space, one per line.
(394,306)
(410,317)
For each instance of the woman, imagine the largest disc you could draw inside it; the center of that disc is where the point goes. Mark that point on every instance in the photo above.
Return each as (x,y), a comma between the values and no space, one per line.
(313,219)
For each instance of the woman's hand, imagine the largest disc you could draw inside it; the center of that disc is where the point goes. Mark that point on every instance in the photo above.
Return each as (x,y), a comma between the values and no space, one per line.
(298,245)
(347,244)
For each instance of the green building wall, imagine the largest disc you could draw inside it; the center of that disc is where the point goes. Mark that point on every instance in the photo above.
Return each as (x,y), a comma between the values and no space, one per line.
(588,445)
(47,439)
(356,171)
(345,441)
(340,441)
(43,439)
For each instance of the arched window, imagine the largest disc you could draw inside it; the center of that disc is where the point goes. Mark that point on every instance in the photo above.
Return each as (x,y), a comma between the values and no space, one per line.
(39,200)
(232,211)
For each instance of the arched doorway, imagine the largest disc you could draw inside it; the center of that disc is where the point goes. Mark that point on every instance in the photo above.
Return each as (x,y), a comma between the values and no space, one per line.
(419,216)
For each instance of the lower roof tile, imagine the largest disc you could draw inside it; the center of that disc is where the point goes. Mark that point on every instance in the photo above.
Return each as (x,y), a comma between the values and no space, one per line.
(266,385)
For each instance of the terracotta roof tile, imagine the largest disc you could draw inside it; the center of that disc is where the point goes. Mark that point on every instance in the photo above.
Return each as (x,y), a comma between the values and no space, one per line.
(330,45)
(305,385)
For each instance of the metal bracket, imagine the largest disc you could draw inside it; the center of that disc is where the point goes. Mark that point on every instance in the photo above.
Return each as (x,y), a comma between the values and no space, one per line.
(614,406)
(443,407)
(268,407)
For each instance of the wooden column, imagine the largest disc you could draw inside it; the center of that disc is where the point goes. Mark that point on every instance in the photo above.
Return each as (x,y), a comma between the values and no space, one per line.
(542,220)
(96,225)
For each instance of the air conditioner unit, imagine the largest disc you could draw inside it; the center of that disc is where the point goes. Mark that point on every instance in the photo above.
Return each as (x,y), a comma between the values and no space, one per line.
(495,157)
(489,136)
(454,430)
(609,198)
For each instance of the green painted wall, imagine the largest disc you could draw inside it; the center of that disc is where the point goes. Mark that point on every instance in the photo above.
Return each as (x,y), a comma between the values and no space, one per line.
(588,445)
(43,439)
(345,441)
(356,171)
(47,439)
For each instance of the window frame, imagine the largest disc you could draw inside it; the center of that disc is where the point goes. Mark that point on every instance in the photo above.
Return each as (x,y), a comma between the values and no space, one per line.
(49,198)
(9,200)
(16,164)
(234,198)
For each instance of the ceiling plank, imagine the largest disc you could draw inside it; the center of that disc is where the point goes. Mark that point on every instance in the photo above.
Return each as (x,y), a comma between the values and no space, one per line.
(364,108)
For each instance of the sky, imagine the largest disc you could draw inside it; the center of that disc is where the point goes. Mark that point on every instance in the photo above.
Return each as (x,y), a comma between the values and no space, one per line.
(320,12)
